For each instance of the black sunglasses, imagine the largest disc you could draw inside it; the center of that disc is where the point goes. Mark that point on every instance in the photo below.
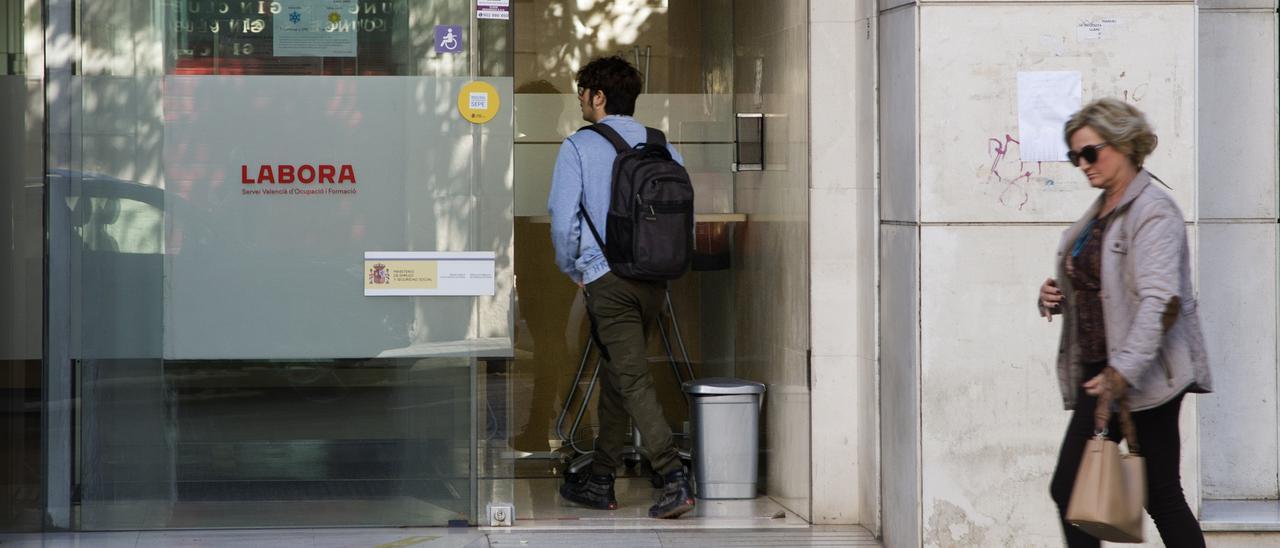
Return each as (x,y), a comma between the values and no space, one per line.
(1088,152)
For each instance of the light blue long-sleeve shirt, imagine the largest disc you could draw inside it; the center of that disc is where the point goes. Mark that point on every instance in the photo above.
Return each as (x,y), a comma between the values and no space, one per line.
(583,173)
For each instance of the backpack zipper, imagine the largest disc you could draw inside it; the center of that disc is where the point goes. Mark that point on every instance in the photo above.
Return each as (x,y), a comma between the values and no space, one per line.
(653,215)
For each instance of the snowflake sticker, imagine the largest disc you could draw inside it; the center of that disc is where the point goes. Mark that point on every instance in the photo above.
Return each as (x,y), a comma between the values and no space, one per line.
(294,17)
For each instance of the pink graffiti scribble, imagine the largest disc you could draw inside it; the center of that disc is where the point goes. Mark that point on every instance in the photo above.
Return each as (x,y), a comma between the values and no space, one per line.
(999,148)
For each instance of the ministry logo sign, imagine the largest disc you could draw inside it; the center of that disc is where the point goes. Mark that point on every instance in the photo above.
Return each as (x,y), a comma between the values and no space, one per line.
(379,275)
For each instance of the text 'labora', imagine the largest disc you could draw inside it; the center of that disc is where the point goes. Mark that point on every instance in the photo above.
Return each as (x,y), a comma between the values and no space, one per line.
(284,174)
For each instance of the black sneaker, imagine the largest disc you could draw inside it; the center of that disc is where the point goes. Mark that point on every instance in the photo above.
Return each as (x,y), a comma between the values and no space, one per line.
(591,490)
(677,497)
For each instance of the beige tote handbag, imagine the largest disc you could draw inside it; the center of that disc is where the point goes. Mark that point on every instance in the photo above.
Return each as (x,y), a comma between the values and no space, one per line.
(1111,489)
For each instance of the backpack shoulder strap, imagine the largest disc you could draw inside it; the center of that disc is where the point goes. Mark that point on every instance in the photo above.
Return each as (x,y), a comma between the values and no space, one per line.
(594,233)
(610,135)
(655,138)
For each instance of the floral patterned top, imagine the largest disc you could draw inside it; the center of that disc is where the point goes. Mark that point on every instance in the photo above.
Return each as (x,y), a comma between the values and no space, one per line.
(1084,270)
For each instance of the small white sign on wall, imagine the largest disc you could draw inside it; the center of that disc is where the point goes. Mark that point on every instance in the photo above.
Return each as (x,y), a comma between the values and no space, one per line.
(428,273)
(493,9)
(1046,99)
(1089,31)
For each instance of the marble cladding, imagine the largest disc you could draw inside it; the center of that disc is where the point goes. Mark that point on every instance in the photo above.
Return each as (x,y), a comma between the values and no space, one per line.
(1238,280)
(1238,4)
(1237,156)
(842,240)
(971,163)
(991,412)
(900,384)
(771,266)
(899,154)
(970,410)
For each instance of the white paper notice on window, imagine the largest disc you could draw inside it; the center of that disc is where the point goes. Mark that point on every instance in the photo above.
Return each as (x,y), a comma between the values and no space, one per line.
(1045,100)
(315,28)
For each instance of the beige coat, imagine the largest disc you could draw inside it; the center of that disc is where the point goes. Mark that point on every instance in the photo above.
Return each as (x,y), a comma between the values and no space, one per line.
(1154,338)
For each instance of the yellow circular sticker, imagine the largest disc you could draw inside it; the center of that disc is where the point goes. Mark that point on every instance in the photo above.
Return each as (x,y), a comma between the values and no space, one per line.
(478,102)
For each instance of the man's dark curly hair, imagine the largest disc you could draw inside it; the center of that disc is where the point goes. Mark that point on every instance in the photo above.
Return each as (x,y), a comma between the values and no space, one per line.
(619,81)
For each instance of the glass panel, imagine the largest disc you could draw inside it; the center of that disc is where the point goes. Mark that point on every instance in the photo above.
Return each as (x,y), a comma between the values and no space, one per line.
(237,163)
(21,264)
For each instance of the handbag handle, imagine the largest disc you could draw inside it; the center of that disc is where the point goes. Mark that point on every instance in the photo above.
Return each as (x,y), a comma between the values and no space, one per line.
(1102,415)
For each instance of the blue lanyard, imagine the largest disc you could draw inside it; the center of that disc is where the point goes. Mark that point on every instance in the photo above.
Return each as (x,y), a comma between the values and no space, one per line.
(1083,238)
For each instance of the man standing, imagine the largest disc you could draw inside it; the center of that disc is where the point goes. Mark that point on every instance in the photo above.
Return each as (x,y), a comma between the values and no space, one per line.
(623,309)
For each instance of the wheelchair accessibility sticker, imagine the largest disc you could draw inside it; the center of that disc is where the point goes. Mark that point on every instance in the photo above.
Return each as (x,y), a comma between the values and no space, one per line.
(448,38)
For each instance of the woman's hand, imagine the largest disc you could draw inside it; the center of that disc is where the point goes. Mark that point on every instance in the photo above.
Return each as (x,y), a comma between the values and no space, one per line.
(1050,299)
(1109,384)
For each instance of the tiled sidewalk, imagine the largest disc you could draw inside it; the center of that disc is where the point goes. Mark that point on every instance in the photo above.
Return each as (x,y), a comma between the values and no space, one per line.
(819,536)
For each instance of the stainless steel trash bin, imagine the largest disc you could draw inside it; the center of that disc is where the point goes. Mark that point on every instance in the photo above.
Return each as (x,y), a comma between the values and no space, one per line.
(726,436)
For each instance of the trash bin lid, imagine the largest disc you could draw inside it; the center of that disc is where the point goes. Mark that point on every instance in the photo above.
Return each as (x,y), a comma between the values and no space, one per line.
(721,386)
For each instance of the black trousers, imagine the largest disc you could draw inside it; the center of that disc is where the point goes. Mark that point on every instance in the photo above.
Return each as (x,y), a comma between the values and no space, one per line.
(1157,432)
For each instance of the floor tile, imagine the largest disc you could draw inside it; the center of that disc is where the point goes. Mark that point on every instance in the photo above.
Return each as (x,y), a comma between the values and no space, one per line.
(125,539)
(565,539)
(277,538)
(821,536)
(416,537)
(538,506)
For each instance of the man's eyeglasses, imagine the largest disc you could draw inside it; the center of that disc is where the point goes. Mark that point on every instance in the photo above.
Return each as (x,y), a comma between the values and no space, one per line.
(1088,152)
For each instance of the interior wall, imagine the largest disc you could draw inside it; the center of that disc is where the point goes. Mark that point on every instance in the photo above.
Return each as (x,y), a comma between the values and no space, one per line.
(1237,154)
(771,262)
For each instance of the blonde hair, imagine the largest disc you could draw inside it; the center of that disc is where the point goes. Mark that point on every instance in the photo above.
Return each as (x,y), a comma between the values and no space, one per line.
(1122,125)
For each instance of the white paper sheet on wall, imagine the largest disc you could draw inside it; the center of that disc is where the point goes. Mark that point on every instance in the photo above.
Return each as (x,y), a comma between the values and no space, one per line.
(1045,100)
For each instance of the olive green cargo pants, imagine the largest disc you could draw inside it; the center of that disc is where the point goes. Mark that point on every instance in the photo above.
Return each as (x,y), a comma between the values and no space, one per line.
(624,310)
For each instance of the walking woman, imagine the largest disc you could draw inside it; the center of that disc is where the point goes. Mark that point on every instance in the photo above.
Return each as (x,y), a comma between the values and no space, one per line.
(1130,330)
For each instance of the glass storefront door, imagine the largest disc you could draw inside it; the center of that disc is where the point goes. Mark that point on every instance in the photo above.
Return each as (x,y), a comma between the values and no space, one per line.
(21,264)
(289,238)
(543,401)
(742,312)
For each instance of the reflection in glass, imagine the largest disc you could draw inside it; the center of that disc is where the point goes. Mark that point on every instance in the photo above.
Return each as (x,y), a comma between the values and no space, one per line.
(229,370)
(374,442)
(21,267)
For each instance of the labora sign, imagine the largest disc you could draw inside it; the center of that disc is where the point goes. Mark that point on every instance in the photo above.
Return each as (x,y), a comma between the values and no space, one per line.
(302,174)
(261,174)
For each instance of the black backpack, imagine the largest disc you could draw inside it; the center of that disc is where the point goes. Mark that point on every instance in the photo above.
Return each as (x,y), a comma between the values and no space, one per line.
(650,224)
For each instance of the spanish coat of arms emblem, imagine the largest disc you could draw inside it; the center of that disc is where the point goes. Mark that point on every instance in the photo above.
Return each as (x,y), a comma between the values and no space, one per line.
(379,274)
